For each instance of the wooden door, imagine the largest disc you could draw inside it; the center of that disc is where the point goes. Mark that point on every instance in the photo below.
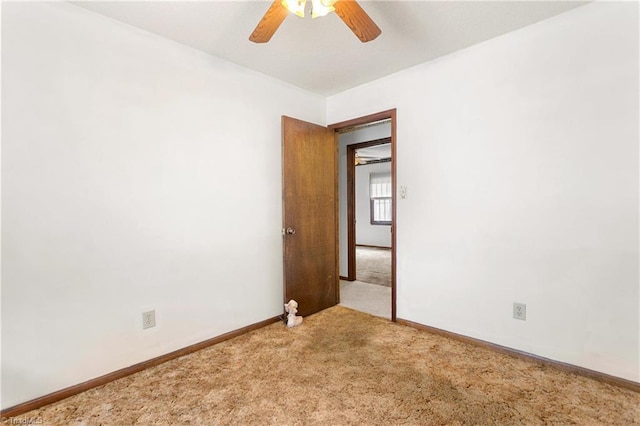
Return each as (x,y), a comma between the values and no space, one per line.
(310,215)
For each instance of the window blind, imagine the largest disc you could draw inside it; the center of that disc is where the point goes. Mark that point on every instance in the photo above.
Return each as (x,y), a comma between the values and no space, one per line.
(380,185)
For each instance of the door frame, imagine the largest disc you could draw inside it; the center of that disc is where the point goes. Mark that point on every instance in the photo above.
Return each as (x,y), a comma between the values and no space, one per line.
(368,119)
(351,201)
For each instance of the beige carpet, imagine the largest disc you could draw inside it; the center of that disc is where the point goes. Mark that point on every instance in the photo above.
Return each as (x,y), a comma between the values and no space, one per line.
(364,297)
(346,367)
(373,265)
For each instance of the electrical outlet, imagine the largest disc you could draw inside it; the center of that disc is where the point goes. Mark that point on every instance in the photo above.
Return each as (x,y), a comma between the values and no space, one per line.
(148,319)
(403,191)
(520,311)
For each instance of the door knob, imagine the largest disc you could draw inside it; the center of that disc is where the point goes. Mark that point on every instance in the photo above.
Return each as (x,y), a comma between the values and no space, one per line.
(291,231)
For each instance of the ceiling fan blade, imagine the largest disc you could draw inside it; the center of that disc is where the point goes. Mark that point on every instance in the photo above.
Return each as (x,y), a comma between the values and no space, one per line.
(357,19)
(269,23)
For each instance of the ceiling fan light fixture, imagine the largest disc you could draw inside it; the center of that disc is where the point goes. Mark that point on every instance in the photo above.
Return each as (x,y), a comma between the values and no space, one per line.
(295,6)
(349,11)
(321,7)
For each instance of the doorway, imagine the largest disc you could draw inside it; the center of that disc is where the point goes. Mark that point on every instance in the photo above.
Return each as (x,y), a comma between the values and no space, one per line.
(363,152)
(369,217)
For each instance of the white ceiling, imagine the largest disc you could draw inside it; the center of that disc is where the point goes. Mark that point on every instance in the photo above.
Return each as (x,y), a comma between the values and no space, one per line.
(322,55)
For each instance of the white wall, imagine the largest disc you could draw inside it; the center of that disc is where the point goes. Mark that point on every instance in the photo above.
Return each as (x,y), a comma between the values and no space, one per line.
(137,174)
(366,233)
(521,160)
(364,134)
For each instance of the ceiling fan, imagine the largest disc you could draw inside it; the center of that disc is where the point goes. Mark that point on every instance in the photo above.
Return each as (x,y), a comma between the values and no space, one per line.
(364,159)
(348,10)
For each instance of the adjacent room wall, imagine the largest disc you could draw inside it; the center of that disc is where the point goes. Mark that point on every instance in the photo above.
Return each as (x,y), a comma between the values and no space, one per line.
(520,157)
(364,134)
(137,174)
(366,233)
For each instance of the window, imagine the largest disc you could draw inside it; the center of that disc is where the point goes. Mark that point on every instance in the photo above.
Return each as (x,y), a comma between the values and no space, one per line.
(380,195)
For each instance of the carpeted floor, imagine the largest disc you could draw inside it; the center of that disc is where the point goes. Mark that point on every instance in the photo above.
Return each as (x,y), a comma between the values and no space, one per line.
(373,265)
(364,297)
(346,367)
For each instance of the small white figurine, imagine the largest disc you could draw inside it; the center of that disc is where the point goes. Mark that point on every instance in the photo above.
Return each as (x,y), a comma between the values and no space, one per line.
(292,309)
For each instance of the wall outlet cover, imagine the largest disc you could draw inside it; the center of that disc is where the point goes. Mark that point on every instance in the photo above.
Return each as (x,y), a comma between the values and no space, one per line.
(148,319)
(520,311)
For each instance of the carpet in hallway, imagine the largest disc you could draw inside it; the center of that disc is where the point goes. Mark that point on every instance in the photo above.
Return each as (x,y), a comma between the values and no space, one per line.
(364,297)
(373,265)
